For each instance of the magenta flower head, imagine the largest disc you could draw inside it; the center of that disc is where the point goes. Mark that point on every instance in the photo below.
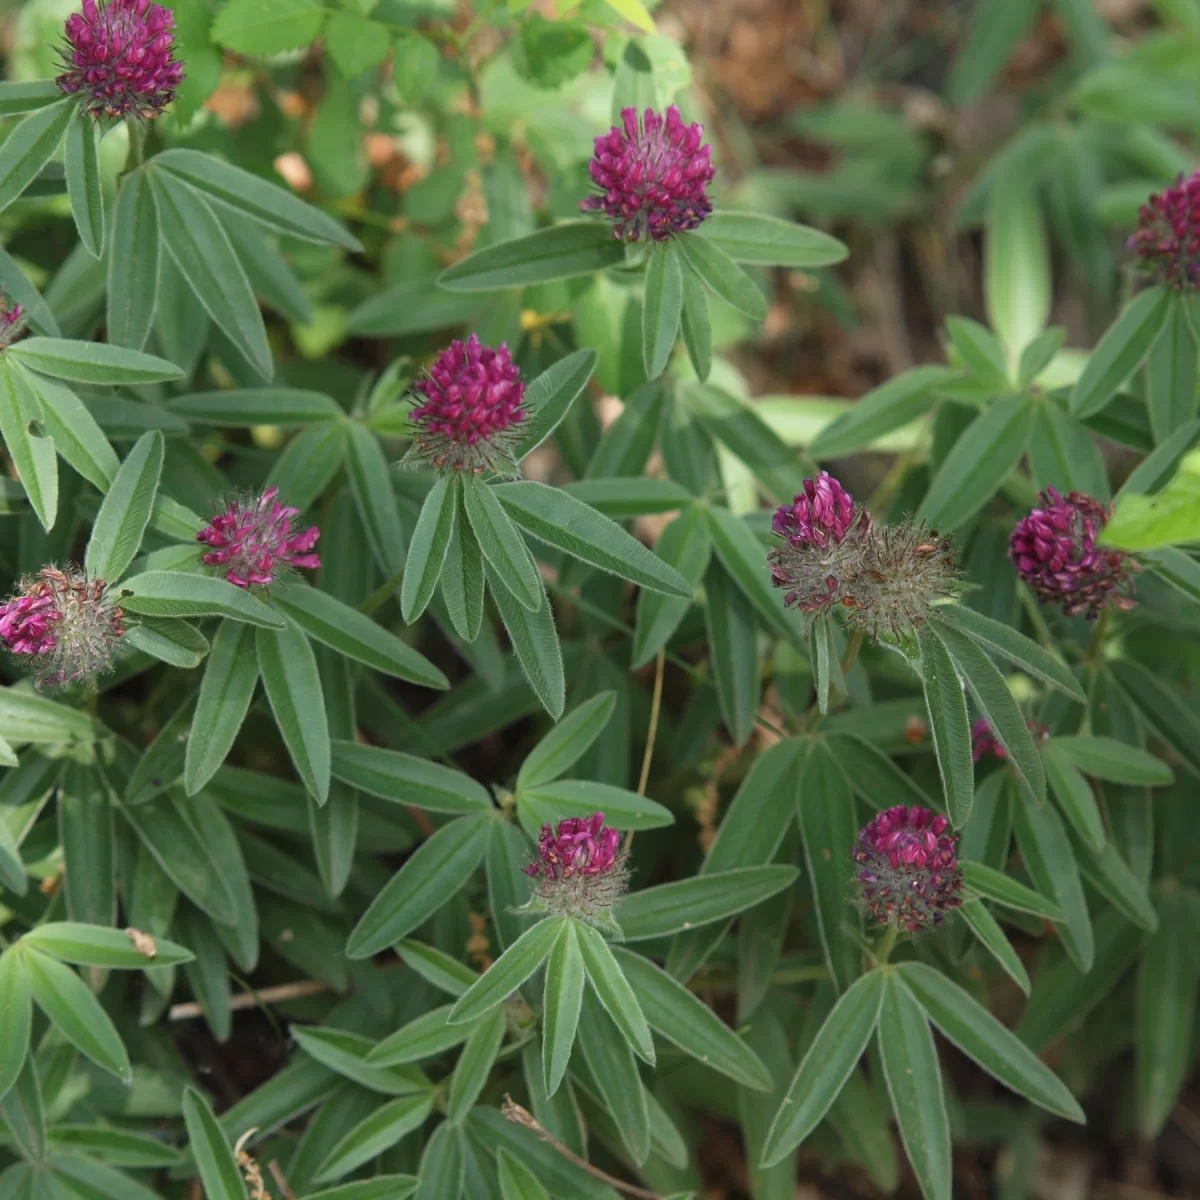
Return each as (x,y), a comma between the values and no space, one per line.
(12,321)
(580,870)
(820,531)
(121,58)
(1054,550)
(652,178)
(1167,239)
(253,540)
(65,623)
(473,401)
(908,868)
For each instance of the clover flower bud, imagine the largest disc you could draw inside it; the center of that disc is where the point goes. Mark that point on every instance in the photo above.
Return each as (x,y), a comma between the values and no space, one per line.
(983,739)
(1167,238)
(253,540)
(12,321)
(580,869)
(121,58)
(65,622)
(652,177)
(473,401)
(908,868)
(1054,550)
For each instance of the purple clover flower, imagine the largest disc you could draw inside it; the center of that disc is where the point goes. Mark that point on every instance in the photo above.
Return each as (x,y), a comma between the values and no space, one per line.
(653,177)
(65,622)
(1054,550)
(823,510)
(121,58)
(580,869)
(12,321)
(253,540)
(1167,239)
(908,868)
(473,400)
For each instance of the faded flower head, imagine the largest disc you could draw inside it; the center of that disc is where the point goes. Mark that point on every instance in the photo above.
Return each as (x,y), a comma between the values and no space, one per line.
(653,177)
(253,540)
(121,58)
(1054,550)
(65,623)
(580,869)
(1167,239)
(888,579)
(908,868)
(983,739)
(474,399)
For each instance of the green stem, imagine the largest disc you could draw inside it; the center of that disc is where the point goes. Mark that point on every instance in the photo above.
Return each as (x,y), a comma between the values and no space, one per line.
(1099,633)
(852,648)
(887,944)
(380,596)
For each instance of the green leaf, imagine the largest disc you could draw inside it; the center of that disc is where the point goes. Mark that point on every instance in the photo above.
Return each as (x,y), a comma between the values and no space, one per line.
(553,756)
(826,1066)
(562,251)
(77,1014)
(406,779)
(225,694)
(248,28)
(1113,878)
(535,643)
(355,635)
(981,1037)
(1171,372)
(435,873)
(462,580)
(987,929)
(1009,643)
(1075,797)
(32,454)
(614,1074)
(979,349)
(749,237)
(559,520)
(21,291)
(210,1148)
(443,1164)
(246,407)
(686,545)
(697,326)
(1064,454)
(559,798)
(427,550)
(424,1037)
(170,641)
(181,594)
(633,11)
(91,362)
(123,517)
(201,249)
(346,1053)
(722,276)
(76,435)
(733,651)
(436,967)
(119,1147)
(293,685)
(16,1016)
(678,1015)
(1016,271)
(84,188)
(30,145)
(1168,980)
(1107,758)
(354,43)
(18,98)
(949,727)
(23,1114)
(1165,710)
(509,971)
(517,1181)
(1048,856)
(614,992)
(475,1065)
(25,717)
(700,900)
(994,29)
(893,404)
(509,561)
(264,201)
(662,307)
(981,460)
(549,397)
(995,702)
(1120,351)
(914,1082)
(1039,354)
(565,977)
(1000,888)
(98,946)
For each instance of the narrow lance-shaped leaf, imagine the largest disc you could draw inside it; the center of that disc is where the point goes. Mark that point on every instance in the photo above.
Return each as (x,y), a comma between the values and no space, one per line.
(509,971)
(613,991)
(211,1149)
(565,978)
(662,307)
(125,513)
(83,182)
(427,551)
